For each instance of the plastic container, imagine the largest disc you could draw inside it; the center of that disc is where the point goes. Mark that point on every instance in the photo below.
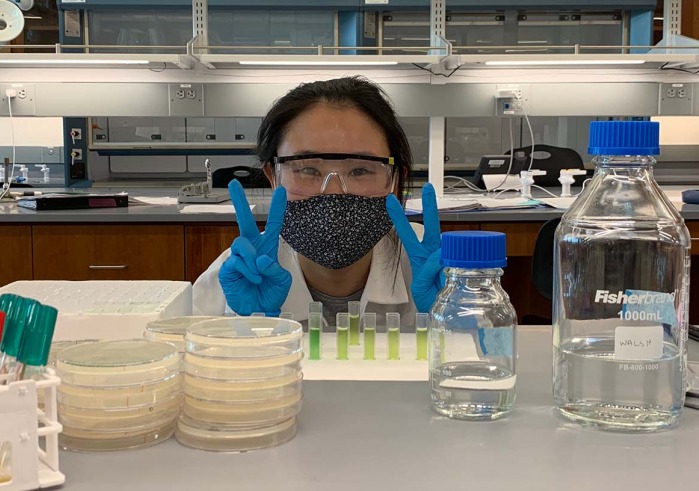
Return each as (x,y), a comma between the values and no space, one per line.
(244,338)
(118,363)
(95,441)
(237,414)
(246,369)
(242,383)
(472,333)
(153,415)
(621,287)
(223,440)
(247,391)
(172,330)
(120,397)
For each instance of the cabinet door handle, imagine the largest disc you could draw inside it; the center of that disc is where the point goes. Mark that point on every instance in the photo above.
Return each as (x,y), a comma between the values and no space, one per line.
(116,266)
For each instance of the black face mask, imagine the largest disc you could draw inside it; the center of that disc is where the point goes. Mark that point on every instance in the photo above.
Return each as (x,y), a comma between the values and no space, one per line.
(335,230)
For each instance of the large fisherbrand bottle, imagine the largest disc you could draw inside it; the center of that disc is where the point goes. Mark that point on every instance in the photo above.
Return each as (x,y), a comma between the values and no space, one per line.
(621,286)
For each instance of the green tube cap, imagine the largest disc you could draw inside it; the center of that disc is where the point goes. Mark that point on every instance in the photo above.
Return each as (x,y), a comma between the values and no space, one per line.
(38,333)
(17,312)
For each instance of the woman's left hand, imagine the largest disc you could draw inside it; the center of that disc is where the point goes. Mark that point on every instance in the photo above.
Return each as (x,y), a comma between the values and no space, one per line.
(424,256)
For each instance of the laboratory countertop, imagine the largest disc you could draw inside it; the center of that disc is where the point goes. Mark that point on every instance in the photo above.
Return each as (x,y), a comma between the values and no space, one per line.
(162,212)
(383,435)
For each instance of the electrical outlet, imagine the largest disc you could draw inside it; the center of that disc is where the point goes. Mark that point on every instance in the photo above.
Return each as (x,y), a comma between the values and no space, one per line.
(675,99)
(511,100)
(186,99)
(22,103)
(76,154)
(76,134)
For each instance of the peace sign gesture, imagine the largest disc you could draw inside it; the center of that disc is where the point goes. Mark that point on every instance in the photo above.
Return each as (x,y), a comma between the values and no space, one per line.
(423,256)
(251,278)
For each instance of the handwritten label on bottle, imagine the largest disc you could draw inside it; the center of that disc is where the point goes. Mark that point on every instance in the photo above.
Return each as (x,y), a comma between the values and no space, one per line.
(638,342)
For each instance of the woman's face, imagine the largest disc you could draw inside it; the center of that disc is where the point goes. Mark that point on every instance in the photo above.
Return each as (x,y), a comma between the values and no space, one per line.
(332,129)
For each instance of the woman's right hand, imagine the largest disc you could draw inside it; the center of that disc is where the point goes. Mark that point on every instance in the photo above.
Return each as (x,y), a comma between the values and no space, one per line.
(251,278)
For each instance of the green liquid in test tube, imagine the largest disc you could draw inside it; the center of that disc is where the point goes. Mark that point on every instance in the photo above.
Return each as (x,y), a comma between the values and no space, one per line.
(315,323)
(342,332)
(353,308)
(369,336)
(421,321)
(393,332)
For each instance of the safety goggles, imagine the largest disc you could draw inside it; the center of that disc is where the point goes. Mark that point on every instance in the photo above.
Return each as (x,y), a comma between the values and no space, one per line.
(311,174)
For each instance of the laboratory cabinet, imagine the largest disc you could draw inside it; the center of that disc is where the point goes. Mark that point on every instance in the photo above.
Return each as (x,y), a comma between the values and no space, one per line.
(16,261)
(183,251)
(108,252)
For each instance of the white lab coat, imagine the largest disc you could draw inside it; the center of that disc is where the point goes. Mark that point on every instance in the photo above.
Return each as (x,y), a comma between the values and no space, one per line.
(385,291)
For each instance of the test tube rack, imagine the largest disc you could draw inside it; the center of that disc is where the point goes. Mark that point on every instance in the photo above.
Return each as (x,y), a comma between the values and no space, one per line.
(328,367)
(31,431)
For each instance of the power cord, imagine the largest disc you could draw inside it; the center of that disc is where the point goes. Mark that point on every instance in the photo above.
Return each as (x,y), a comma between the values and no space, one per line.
(10,93)
(437,74)
(461,180)
(665,66)
(512,157)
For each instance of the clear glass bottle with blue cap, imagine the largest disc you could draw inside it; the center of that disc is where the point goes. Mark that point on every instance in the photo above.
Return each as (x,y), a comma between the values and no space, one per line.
(472,331)
(620,300)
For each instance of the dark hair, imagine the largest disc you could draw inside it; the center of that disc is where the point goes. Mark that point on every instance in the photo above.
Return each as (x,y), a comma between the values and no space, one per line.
(355,92)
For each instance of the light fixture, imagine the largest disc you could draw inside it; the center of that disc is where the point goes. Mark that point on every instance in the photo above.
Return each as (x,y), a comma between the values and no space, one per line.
(562,62)
(69,61)
(315,63)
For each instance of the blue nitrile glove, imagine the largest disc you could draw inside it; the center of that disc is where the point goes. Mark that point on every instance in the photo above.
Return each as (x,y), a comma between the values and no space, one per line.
(251,278)
(424,256)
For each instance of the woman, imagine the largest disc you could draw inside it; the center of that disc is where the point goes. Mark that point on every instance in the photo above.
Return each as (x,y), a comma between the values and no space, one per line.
(337,157)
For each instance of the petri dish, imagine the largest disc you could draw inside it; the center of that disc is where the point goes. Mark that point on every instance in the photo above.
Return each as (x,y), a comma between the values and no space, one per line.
(95,441)
(244,369)
(119,397)
(118,363)
(238,414)
(247,391)
(172,330)
(59,346)
(244,338)
(119,419)
(235,441)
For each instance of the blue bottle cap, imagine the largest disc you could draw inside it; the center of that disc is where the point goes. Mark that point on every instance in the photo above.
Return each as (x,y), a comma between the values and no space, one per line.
(624,138)
(474,249)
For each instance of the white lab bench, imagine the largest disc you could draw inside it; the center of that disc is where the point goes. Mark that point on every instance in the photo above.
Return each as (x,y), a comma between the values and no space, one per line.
(383,435)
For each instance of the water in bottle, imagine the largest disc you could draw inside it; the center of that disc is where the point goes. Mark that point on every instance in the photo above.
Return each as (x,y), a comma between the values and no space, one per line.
(472,331)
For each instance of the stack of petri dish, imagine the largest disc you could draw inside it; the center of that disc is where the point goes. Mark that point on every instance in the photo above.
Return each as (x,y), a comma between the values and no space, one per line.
(242,383)
(172,330)
(118,394)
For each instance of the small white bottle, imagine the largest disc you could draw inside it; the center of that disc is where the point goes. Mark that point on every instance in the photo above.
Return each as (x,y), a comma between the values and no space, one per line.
(24,170)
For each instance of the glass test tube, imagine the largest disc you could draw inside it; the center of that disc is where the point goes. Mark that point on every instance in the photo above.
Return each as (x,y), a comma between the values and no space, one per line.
(369,320)
(287,315)
(353,308)
(393,333)
(315,326)
(5,462)
(421,321)
(342,331)
(315,307)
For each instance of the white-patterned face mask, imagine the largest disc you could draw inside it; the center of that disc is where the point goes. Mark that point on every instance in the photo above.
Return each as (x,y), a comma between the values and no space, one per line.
(335,230)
